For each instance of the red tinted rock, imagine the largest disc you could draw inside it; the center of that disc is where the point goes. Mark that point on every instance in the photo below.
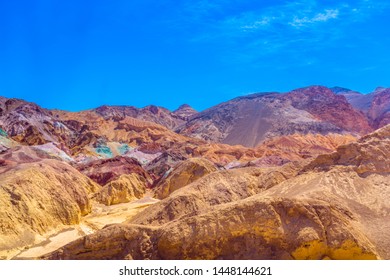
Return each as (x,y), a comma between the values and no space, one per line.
(106,170)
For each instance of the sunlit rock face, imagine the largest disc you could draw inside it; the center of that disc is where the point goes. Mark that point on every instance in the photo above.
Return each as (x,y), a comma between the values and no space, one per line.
(296,175)
(326,209)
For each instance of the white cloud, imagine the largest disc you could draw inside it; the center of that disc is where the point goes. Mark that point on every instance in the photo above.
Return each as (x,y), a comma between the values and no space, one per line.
(264,21)
(319,17)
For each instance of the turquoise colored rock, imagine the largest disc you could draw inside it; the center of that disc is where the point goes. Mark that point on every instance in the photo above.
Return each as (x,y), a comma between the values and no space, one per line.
(124,148)
(3,133)
(104,151)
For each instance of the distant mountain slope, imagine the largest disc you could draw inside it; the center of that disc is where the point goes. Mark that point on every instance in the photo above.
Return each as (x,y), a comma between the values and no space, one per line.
(158,115)
(379,112)
(251,119)
(358,100)
(375,105)
(246,120)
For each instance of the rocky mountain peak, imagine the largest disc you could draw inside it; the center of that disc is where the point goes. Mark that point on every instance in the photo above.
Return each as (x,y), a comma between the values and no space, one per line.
(340,90)
(184,111)
(379,89)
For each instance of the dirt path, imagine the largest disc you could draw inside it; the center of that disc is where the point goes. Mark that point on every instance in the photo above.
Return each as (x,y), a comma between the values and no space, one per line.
(101,216)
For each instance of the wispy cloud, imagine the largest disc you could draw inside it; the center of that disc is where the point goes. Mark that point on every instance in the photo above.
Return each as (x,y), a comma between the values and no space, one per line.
(254,31)
(328,14)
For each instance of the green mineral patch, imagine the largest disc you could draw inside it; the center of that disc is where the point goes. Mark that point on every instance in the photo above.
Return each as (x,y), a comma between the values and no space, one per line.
(124,148)
(104,151)
(3,133)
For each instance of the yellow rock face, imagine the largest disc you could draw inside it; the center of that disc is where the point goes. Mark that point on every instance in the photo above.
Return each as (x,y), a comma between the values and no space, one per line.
(126,188)
(184,174)
(38,197)
(254,228)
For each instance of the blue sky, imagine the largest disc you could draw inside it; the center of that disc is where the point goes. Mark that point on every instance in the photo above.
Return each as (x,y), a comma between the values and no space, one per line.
(77,55)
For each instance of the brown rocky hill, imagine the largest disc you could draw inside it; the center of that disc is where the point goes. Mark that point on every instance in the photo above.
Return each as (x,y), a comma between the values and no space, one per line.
(135,132)
(295,147)
(126,188)
(336,207)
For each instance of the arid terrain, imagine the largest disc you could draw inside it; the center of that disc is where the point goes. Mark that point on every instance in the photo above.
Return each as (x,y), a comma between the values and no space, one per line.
(303,174)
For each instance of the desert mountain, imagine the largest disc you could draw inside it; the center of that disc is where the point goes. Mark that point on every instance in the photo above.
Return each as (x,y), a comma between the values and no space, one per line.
(185,111)
(150,113)
(327,209)
(251,119)
(259,176)
(379,112)
(358,100)
(375,105)
(246,120)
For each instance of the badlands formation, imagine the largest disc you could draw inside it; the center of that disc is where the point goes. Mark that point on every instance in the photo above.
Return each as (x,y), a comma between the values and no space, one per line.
(296,175)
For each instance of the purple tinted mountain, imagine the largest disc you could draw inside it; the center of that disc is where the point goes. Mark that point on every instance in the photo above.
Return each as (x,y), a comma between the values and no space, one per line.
(328,107)
(251,119)
(246,120)
(375,105)
(184,112)
(358,100)
(379,112)
(28,123)
(155,114)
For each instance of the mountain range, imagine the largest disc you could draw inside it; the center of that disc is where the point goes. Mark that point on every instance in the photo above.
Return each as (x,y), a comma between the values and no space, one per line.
(296,175)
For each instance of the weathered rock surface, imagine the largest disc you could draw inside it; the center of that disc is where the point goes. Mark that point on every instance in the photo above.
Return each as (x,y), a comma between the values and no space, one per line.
(216,188)
(255,228)
(328,107)
(183,174)
(30,124)
(106,170)
(39,196)
(297,146)
(126,188)
(335,212)
(371,154)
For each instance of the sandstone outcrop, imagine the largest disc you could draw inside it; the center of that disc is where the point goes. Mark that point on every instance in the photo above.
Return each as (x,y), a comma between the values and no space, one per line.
(39,196)
(255,228)
(219,187)
(183,174)
(371,154)
(126,188)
